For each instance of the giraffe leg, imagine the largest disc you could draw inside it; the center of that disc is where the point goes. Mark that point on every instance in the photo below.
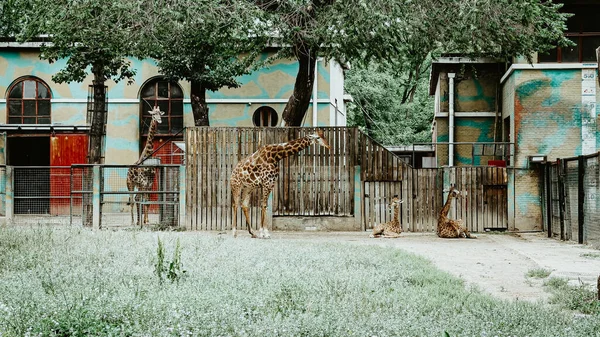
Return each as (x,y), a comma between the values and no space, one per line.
(377,230)
(264,231)
(132,205)
(245,209)
(390,234)
(146,209)
(245,205)
(130,188)
(235,205)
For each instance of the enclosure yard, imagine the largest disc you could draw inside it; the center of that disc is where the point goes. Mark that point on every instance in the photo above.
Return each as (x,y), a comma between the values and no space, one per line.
(74,281)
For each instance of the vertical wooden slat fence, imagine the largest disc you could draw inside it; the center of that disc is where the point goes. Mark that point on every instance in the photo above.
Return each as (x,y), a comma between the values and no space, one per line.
(321,182)
(315,182)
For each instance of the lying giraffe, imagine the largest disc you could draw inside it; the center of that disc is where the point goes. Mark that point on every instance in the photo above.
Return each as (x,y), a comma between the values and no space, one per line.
(448,228)
(390,229)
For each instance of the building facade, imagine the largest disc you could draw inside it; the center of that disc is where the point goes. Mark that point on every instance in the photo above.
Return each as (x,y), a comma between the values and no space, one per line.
(45,123)
(541,111)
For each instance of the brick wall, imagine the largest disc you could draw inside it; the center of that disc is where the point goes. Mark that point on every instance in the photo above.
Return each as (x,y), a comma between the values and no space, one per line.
(547,119)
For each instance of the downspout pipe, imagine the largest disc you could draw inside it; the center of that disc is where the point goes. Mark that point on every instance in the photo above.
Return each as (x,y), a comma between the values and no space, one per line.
(314,95)
(451,119)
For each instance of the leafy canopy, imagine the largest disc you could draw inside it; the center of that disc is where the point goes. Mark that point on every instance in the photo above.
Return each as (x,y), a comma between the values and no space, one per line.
(209,42)
(92,35)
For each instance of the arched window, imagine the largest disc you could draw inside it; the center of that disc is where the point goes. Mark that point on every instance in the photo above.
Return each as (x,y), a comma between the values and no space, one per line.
(265,116)
(28,102)
(169,97)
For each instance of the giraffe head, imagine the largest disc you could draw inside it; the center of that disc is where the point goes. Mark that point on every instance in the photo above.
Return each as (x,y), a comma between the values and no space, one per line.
(156,113)
(453,192)
(396,201)
(319,138)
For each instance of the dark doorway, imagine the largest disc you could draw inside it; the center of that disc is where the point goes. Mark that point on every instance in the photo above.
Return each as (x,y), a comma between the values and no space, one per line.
(31,184)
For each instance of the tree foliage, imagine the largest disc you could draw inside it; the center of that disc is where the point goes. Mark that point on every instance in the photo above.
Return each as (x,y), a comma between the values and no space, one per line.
(206,42)
(403,33)
(93,36)
(379,108)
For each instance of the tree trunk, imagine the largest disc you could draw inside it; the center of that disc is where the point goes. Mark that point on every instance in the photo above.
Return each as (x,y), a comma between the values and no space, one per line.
(296,107)
(97,129)
(199,106)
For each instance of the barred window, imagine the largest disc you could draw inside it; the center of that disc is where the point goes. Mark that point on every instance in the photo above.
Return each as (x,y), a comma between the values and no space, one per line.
(28,102)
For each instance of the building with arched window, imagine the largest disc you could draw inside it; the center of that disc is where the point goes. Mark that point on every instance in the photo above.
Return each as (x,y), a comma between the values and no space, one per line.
(40,120)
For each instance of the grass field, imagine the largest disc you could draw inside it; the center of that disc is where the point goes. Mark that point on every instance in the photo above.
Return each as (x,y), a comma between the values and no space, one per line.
(75,282)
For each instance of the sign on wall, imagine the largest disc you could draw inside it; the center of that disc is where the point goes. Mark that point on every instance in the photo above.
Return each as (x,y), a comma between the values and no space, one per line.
(588,111)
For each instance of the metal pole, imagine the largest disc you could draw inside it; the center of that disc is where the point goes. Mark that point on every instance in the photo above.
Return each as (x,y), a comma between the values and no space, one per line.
(581,163)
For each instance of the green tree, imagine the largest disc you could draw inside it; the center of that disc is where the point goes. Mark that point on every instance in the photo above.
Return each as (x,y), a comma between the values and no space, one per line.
(94,36)
(206,42)
(403,33)
(381,110)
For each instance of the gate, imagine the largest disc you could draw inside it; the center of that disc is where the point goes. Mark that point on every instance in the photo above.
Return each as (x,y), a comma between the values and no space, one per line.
(113,208)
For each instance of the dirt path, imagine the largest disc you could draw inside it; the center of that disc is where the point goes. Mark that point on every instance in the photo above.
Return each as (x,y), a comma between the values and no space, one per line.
(496,263)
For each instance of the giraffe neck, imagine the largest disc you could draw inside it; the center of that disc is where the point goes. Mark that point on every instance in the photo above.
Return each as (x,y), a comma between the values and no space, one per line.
(396,218)
(446,208)
(281,151)
(149,141)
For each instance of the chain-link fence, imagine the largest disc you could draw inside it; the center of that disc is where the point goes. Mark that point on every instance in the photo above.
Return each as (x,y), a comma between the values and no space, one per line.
(572,199)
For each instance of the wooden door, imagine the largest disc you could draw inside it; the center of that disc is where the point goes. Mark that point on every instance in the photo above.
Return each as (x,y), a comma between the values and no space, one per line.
(65,150)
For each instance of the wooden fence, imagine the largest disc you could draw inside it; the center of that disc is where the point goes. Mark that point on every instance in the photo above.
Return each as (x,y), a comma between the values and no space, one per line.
(321,182)
(315,182)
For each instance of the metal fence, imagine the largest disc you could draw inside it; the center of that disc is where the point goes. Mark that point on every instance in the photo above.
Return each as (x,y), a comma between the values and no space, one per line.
(572,199)
(88,195)
(159,205)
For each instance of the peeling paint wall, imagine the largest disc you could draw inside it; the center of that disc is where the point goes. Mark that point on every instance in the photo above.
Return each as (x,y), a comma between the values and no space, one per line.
(475,89)
(478,129)
(270,86)
(555,114)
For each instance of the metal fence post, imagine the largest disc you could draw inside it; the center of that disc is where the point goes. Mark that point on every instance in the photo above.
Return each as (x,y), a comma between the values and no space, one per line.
(561,168)
(548,196)
(358,199)
(581,163)
(96,197)
(182,192)
(10,195)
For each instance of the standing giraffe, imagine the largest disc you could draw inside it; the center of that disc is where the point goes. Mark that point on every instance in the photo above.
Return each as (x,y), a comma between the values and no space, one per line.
(140,176)
(448,228)
(260,169)
(390,229)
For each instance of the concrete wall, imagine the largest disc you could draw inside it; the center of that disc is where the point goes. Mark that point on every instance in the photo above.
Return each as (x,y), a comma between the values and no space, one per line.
(474,88)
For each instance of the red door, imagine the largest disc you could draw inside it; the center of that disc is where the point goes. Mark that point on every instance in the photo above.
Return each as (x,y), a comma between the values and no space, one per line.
(65,150)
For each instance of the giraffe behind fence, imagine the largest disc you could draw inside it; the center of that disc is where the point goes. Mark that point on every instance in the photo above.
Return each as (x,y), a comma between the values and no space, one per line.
(142,177)
(261,169)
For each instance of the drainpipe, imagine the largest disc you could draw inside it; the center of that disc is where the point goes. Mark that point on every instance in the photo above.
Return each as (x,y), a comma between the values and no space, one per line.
(314,96)
(451,119)
(451,134)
